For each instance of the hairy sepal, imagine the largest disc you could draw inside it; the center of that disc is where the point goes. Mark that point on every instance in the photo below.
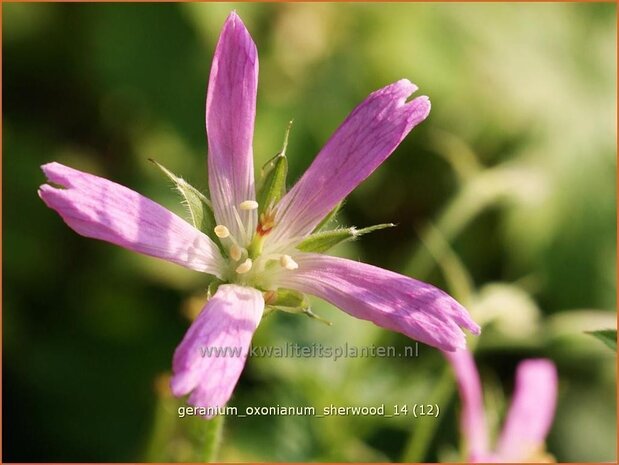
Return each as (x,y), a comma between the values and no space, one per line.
(199,207)
(329,218)
(321,242)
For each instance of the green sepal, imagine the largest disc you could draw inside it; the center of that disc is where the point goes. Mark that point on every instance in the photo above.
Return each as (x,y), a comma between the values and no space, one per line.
(287,298)
(306,311)
(330,216)
(607,336)
(322,241)
(213,287)
(289,301)
(273,185)
(199,207)
(273,175)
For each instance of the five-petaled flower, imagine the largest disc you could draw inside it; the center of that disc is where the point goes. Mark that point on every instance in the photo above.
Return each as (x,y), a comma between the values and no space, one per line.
(528,420)
(255,251)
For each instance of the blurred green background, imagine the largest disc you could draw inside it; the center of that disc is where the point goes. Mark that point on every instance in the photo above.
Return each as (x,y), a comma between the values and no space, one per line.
(505,197)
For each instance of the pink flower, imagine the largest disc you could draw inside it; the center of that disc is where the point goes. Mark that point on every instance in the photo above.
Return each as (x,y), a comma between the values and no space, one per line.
(254,250)
(529,417)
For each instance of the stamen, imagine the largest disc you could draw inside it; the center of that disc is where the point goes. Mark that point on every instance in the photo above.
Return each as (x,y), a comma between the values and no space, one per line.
(248,205)
(287,262)
(236,252)
(221,231)
(244,267)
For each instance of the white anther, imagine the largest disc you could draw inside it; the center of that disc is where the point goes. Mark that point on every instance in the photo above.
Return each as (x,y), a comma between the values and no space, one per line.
(244,267)
(236,252)
(221,231)
(248,205)
(287,262)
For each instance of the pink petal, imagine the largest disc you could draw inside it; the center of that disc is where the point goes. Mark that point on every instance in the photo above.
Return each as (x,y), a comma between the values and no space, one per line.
(390,300)
(230,114)
(225,326)
(364,140)
(472,416)
(484,458)
(530,416)
(101,209)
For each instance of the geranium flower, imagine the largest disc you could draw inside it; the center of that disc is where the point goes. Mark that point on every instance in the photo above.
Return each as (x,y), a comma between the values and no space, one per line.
(261,254)
(529,417)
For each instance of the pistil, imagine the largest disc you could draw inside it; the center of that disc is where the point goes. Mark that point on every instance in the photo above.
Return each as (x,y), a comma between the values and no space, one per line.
(255,248)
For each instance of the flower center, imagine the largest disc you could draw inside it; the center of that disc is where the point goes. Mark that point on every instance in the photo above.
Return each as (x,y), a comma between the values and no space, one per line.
(250,266)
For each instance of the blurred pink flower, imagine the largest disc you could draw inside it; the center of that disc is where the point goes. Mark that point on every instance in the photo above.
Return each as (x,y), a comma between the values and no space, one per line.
(529,417)
(255,255)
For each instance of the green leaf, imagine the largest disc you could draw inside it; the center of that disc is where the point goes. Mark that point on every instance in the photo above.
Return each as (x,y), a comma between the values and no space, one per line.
(322,241)
(199,207)
(607,336)
(330,216)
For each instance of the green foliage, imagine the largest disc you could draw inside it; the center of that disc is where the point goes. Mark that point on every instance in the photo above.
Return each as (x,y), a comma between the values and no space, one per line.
(607,336)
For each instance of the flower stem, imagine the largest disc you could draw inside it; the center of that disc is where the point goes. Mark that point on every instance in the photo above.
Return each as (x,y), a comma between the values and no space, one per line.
(435,249)
(212,438)
(421,436)
(186,439)
(482,191)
